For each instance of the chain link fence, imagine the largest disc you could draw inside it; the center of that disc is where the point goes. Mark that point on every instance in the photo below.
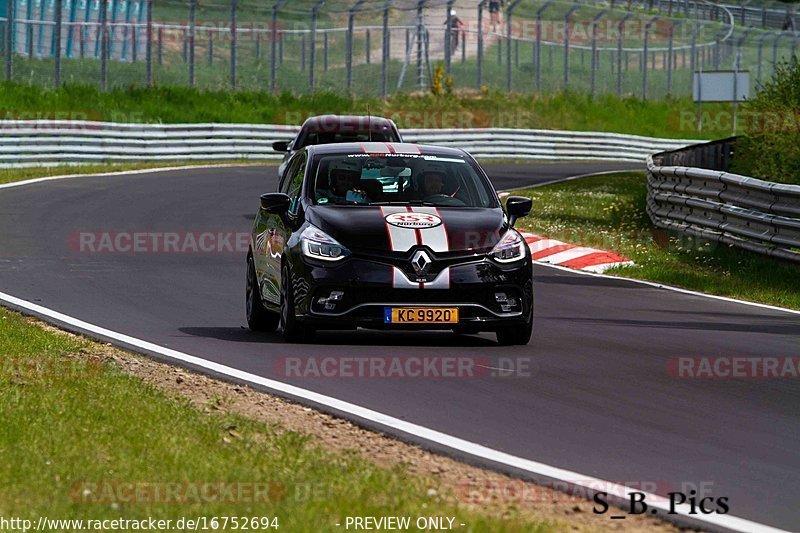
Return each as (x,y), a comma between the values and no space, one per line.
(646,48)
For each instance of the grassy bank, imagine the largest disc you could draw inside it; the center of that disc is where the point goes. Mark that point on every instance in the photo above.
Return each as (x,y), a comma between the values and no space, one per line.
(608,212)
(659,118)
(78,430)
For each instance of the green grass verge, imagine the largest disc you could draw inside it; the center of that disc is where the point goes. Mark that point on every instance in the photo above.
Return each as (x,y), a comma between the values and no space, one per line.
(608,212)
(70,423)
(9,175)
(566,111)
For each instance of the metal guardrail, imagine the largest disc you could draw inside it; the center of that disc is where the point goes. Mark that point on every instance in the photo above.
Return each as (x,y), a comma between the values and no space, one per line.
(711,203)
(33,143)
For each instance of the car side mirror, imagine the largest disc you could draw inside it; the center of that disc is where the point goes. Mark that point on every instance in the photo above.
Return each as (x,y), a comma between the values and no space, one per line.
(275,202)
(517,207)
(280,146)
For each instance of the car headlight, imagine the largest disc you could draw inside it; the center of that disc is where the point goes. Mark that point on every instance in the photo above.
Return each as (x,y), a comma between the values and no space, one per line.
(317,244)
(512,247)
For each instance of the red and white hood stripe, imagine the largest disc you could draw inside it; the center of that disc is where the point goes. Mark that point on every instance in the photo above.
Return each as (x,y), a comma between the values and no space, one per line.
(403,239)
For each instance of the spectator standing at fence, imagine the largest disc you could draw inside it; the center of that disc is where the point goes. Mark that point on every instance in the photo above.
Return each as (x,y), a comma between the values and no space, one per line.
(494,13)
(788,22)
(456,30)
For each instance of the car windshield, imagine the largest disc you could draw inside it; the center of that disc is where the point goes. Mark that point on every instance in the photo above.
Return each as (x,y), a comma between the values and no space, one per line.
(399,179)
(346,129)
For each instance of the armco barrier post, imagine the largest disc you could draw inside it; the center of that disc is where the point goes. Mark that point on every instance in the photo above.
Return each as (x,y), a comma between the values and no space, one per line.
(29,30)
(10,41)
(509,14)
(148,47)
(539,44)
(234,4)
(111,30)
(620,29)
(761,42)
(104,44)
(386,56)
(57,42)
(775,47)
(192,9)
(671,54)
(274,35)
(136,36)
(325,47)
(572,10)
(73,14)
(644,55)
(126,29)
(313,43)
(349,41)
(481,6)
(693,59)
(160,50)
(420,43)
(595,59)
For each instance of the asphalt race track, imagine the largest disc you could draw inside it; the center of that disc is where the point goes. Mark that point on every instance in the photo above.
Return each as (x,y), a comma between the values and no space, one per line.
(599,399)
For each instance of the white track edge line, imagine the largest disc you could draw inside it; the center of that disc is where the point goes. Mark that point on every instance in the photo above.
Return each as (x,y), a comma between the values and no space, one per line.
(732,523)
(671,288)
(571,178)
(125,173)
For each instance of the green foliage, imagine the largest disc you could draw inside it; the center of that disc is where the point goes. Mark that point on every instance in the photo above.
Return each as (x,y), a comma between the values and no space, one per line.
(484,108)
(771,151)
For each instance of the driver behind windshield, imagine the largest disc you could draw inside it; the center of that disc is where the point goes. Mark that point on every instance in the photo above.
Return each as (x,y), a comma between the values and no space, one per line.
(344,177)
(432,183)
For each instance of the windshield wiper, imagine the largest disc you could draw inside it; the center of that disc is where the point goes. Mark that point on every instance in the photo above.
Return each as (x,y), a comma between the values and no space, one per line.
(409,202)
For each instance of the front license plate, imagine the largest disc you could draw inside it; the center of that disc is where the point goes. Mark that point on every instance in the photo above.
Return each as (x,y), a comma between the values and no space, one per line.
(420,315)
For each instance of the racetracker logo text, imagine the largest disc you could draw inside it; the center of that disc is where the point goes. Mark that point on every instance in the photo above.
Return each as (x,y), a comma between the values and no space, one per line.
(159,242)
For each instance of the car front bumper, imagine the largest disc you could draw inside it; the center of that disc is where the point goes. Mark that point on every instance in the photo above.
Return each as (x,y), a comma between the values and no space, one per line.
(367,286)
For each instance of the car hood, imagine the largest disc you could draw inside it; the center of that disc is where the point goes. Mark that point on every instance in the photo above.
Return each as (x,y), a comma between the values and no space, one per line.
(398,229)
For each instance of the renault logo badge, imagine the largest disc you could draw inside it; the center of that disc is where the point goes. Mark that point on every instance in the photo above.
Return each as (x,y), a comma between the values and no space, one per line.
(420,261)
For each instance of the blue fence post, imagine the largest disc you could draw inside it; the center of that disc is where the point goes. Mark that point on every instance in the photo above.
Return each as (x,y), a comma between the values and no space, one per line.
(139,10)
(11,41)
(73,12)
(96,7)
(57,41)
(42,10)
(28,27)
(113,28)
(127,6)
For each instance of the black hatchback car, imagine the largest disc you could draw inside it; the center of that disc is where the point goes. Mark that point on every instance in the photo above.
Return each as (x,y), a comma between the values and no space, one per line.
(327,129)
(388,236)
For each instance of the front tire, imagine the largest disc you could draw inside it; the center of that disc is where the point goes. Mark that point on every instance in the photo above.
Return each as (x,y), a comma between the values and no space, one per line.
(516,335)
(259,318)
(293,330)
